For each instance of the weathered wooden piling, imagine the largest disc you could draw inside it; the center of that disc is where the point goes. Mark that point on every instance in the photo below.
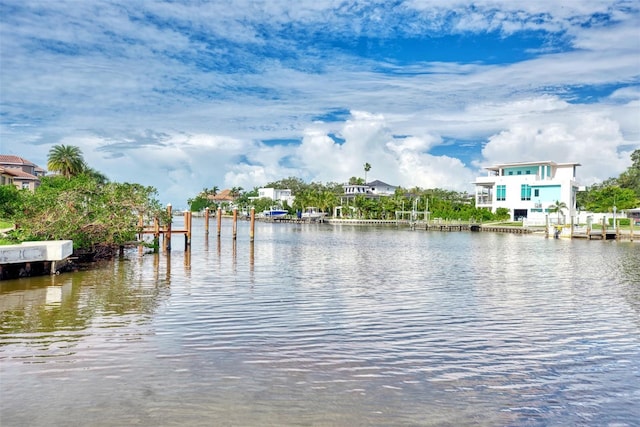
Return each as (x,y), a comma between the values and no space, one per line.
(167,234)
(219,218)
(206,221)
(235,223)
(156,234)
(546,226)
(187,234)
(252,225)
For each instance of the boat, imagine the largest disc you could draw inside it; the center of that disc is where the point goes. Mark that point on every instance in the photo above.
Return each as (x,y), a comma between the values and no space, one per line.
(275,213)
(313,213)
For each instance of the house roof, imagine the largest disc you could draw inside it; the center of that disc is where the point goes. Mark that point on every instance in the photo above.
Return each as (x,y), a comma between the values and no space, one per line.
(378,183)
(8,159)
(223,196)
(516,164)
(19,174)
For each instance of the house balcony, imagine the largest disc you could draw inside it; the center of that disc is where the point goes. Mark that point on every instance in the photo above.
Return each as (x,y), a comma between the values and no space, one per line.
(486,180)
(484,201)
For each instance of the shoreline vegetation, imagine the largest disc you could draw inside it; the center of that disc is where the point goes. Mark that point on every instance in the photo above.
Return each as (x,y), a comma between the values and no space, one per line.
(80,204)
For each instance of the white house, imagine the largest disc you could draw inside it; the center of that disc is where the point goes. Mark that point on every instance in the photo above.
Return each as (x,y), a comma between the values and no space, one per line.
(370,189)
(528,189)
(276,195)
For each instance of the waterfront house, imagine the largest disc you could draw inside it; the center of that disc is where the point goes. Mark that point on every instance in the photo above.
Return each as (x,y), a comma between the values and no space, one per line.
(528,189)
(277,195)
(373,189)
(223,196)
(20,172)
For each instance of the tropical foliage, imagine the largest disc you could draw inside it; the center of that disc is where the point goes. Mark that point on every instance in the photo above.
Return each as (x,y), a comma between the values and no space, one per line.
(558,207)
(79,204)
(622,192)
(66,160)
(85,210)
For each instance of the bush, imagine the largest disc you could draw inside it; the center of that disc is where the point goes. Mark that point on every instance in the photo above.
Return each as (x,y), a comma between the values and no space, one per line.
(620,221)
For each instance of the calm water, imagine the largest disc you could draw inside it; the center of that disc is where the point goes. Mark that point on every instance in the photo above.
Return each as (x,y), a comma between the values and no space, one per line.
(317,325)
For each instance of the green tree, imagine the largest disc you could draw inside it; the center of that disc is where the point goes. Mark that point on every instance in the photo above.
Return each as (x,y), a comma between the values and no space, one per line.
(66,160)
(367,168)
(236,191)
(199,203)
(630,179)
(83,209)
(502,214)
(558,207)
(10,200)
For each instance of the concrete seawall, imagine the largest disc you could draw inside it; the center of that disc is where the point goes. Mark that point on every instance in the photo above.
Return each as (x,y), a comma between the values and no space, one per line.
(32,257)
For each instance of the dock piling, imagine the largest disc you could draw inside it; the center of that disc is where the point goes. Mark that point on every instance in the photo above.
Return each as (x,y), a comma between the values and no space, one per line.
(252,224)
(167,234)
(235,223)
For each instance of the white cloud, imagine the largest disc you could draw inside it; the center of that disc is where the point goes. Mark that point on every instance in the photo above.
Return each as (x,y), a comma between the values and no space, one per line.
(180,97)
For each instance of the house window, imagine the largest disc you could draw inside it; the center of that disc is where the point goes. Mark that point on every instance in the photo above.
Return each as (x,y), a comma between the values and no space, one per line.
(536,192)
(519,172)
(25,185)
(528,172)
(510,172)
(525,192)
(501,192)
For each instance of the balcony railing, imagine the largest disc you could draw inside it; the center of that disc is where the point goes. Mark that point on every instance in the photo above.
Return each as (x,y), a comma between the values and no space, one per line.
(484,200)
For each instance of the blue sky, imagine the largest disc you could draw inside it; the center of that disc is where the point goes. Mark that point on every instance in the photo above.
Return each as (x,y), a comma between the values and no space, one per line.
(184,95)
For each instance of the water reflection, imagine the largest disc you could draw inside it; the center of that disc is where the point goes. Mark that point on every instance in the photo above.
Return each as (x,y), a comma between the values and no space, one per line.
(316,325)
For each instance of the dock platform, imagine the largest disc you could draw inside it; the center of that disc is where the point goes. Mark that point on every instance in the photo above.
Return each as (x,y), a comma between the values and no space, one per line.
(31,258)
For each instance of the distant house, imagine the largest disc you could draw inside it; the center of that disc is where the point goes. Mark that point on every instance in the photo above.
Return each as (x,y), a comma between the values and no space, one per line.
(373,189)
(276,195)
(381,188)
(224,196)
(6,178)
(20,172)
(528,189)
(634,215)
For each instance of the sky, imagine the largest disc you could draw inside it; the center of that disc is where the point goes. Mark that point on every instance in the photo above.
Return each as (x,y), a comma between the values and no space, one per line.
(187,94)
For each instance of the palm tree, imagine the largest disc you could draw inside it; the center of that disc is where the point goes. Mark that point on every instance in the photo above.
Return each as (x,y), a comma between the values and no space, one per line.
(367,168)
(558,207)
(96,175)
(66,159)
(235,192)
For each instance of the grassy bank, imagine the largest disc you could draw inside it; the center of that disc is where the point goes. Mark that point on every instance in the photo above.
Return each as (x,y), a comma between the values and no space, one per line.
(4,224)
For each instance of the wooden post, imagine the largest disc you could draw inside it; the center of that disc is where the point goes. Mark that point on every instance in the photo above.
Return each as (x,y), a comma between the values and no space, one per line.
(206,220)
(167,234)
(546,226)
(631,221)
(235,223)
(156,234)
(617,227)
(187,234)
(604,228)
(252,225)
(141,227)
(571,230)
(219,218)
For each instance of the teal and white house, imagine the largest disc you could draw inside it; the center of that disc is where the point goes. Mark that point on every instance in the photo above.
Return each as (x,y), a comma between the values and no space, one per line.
(528,189)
